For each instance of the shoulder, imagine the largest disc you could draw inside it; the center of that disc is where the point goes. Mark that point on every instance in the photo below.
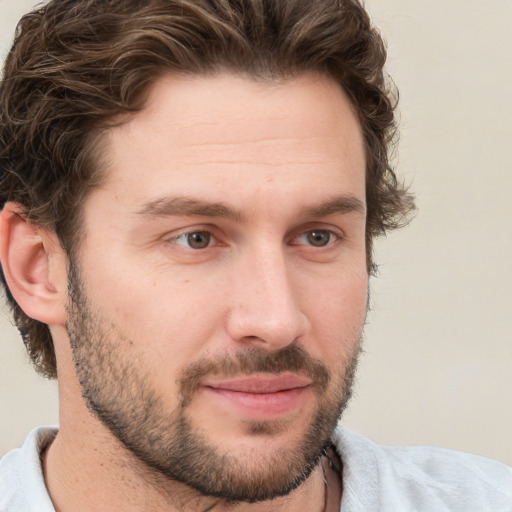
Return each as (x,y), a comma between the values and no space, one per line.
(419,478)
(22,487)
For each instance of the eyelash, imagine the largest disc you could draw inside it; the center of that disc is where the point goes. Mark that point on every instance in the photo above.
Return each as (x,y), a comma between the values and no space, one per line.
(333,238)
(195,232)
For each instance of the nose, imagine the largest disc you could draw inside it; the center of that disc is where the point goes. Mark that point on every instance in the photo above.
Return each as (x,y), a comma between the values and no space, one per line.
(265,310)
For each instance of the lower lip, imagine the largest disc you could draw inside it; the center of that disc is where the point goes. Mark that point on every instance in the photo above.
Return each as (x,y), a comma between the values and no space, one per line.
(261,406)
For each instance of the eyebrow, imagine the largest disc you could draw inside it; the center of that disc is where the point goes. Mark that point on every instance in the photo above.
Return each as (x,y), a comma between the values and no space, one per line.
(342,204)
(189,207)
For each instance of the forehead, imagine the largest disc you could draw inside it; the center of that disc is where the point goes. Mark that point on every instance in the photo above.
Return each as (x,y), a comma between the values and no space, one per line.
(222,131)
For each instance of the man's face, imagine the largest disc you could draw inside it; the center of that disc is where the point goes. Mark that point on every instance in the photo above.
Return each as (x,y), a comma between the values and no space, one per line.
(219,294)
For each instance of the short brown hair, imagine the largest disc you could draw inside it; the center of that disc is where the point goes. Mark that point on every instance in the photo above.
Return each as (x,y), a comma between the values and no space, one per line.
(76,65)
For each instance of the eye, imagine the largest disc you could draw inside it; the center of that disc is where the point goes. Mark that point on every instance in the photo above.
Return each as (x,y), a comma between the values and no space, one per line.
(194,240)
(317,238)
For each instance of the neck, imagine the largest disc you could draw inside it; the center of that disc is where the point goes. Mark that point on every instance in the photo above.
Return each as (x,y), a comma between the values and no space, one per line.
(83,472)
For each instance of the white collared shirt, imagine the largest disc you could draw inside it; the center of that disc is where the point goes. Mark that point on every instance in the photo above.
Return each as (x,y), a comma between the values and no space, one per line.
(375,478)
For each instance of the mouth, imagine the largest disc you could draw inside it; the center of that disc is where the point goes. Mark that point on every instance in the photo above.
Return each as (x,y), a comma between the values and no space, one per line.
(260,397)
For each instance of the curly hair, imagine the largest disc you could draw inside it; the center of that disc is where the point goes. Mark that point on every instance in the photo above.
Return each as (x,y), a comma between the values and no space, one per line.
(77,65)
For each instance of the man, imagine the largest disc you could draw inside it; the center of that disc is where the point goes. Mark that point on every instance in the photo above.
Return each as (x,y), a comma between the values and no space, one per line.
(190,191)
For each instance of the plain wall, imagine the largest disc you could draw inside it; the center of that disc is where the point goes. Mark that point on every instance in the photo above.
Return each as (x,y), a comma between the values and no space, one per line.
(437,368)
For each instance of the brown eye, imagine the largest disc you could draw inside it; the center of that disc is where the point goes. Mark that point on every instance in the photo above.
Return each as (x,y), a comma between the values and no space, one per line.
(318,238)
(199,239)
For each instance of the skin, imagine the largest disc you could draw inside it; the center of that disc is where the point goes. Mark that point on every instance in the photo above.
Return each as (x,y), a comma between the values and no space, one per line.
(279,156)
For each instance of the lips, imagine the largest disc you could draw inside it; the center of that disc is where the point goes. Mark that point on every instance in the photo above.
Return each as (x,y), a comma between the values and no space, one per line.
(261,384)
(260,397)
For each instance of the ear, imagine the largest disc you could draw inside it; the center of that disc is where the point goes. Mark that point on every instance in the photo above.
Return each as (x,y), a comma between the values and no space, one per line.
(34,266)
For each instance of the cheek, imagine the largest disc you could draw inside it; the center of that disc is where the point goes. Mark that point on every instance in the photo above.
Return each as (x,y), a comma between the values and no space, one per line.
(167,319)
(337,313)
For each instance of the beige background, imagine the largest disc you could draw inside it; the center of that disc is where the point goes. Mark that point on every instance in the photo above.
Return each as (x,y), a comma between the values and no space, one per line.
(437,368)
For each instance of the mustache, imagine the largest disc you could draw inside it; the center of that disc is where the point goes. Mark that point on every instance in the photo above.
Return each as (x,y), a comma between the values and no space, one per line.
(251,361)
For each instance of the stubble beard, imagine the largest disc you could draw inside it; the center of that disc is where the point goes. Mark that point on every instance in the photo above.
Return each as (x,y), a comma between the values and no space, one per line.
(120,394)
